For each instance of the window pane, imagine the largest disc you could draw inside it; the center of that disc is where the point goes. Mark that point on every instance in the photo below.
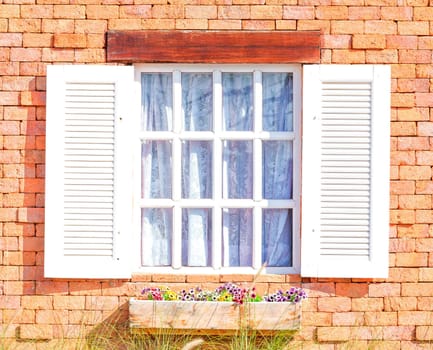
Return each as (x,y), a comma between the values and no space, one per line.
(237,101)
(156,169)
(277,169)
(277,237)
(196,237)
(156,232)
(197,101)
(157,101)
(237,237)
(196,169)
(237,169)
(277,101)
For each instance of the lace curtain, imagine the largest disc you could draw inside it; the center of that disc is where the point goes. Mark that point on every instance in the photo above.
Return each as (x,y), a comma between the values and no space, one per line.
(196,169)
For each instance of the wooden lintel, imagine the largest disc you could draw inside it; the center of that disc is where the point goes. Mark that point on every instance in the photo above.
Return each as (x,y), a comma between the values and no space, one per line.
(213,47)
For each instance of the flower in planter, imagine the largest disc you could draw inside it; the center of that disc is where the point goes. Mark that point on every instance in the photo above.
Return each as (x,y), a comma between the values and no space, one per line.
(228,292)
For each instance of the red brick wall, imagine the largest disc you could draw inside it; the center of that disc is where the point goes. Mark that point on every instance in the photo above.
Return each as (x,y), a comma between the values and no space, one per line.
(393,313)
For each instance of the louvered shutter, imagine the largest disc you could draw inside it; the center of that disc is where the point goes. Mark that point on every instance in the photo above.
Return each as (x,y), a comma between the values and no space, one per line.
(87,213)
(345,171)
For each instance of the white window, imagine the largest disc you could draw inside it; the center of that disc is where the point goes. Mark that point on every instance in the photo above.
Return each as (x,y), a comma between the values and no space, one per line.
(201,170)
(219,167)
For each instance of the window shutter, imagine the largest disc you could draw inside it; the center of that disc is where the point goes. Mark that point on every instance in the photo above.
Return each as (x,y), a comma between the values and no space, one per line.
(87,176)
(345,171)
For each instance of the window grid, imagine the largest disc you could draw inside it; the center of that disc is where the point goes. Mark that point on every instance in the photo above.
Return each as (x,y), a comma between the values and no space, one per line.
(217,203)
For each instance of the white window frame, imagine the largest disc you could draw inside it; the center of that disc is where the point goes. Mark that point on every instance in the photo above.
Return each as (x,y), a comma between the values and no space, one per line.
(257,202)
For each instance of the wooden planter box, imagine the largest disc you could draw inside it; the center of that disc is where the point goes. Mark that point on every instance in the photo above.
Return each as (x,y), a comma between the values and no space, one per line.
(212,316)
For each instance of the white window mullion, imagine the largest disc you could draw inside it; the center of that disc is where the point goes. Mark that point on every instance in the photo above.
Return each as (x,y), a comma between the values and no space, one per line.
(257,163)
(257,238)
(217,173)
(177,169)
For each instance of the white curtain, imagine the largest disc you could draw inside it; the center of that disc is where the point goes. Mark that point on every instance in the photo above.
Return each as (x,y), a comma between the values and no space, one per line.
(237,172)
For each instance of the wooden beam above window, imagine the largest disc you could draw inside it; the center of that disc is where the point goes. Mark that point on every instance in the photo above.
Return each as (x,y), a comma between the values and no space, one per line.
(213,47)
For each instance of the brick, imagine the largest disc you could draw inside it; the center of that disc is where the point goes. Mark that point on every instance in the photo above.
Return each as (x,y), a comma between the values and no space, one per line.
(426,274)
(316,318)
(323,25)
(423,216)
(9,127)
(348,56)
(400,303)
(381,27)
(102,12)
(234,12)
(332,12)
(25,54)
(85,288)
(400,333)
(403,129)
(24,25)
(18,316)
(415,143)
(425,42)
(36,11)
(36,332)
(380,318)
(85,317)
(384,289)
(332,334)
(298,12)
(70,40)
(424,333)
(69,11)
(209,12)
(90,26)
(398,245)
(402,187)
(401,13)
(402,158)
(124,24)
(9,98)
(102,303)
(354,290)
(417,289)
(229,24)
(367,304)
(347,27)
(415,318)
(415,114)
(401,41)
(334,304)
(413,28)
(57,25)
(9,11)
(348,319)
(421,172)
(411,259)
(139,11)
(402,216)
(422,13)
(9,302)
(11,39)
(8,214)
(258,25)
(52,316)
(363,13)
(415,201)
(425,129)
(69,302)
(336,41)
(368,41)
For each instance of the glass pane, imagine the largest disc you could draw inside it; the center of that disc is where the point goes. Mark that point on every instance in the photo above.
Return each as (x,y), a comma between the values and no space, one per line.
(237,101)
(277,169)
(196,237)
(237,237)
(277,101)
(156,232)
(277,237)
(156,166)
(157,101)
(238,169)
(197,101)
(197,169)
